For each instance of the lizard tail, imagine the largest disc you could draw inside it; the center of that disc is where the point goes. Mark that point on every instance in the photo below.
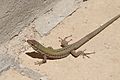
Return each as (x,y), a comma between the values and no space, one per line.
(95,32)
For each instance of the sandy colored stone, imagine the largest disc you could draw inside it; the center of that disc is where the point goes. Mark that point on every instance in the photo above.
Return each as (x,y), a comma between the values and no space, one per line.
(104,65)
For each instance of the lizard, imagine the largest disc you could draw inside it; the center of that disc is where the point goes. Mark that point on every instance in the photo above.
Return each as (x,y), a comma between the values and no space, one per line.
(48,53)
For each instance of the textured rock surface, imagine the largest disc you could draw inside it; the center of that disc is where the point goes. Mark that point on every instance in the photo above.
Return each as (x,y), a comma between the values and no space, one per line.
(7,62)
(55,15)
(16,14)
(104,65)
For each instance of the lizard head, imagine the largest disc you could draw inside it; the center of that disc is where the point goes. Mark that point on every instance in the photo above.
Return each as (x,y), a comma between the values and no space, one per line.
(35,45)
(31,42)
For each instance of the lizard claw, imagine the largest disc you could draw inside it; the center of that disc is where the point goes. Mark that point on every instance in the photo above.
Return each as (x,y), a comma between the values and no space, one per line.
(86,54)
(38,63)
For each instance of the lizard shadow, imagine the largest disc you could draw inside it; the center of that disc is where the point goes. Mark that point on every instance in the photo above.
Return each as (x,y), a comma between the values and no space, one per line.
(37,55)
(34,55)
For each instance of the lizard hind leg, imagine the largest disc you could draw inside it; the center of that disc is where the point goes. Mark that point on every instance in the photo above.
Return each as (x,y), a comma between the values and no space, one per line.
(64,42)
(76,54)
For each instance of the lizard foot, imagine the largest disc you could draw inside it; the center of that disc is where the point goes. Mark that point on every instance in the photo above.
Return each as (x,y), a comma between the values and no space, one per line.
(64,42)
(85,54)
(38,63)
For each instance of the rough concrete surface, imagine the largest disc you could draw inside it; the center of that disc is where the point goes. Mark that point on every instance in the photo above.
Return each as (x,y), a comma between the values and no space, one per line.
(56,14)
(16,14)
(9,62)
(104,65)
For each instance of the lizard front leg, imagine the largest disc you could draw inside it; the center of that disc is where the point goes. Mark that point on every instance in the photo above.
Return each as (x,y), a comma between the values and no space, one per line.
(75,54)
(43,61)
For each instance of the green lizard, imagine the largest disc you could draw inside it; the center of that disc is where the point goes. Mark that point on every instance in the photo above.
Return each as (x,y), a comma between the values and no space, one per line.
(45,53)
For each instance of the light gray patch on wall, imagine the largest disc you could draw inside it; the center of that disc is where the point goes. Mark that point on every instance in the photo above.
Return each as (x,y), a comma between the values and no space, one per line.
(56,14)
(15,14)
